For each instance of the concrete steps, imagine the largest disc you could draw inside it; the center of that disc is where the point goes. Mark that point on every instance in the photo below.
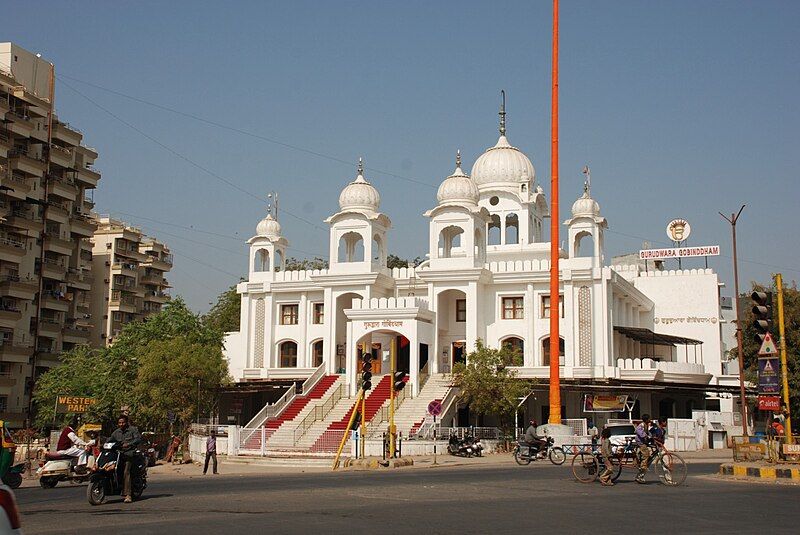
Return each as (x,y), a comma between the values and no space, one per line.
(413,411)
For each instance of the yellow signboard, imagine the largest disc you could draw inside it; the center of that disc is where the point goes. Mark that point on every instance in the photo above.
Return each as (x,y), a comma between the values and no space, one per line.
(77,404)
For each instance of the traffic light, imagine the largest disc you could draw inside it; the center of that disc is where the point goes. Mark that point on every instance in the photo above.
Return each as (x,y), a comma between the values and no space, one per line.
(399,381)
(762,312)
(366,371)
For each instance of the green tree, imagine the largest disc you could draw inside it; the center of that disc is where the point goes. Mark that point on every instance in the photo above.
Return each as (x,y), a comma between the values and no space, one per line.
(488,386)
(224,315)
(394,261)
(293,264)
(751,345)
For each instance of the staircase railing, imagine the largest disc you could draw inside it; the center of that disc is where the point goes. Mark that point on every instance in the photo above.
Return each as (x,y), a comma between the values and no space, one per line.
(319,412)
(424,375)
(426,429)
(274,410)
(383,414)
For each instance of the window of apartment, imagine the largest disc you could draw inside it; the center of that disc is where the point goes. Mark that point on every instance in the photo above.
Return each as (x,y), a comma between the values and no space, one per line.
(513,308)
(288,353)
(546,306)
(319,313)
(289,314)
(517,348)
(316,351)
(5,369)
(461,310)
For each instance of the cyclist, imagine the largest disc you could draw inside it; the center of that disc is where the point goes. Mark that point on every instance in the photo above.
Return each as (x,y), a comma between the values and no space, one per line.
(643,441)
(605,454)
(659,431)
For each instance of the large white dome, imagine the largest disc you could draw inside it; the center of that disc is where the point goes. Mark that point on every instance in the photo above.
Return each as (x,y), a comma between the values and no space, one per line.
(585,206)
(359,194)
(458,188)
(502,165)
(268,227)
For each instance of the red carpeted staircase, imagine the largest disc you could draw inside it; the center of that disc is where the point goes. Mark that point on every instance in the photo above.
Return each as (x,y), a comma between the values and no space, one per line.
(331,437)
(291,411)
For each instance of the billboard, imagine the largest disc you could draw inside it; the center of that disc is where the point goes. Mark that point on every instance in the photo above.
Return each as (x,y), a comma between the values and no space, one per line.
(604,403)
(76,404)
(769,369)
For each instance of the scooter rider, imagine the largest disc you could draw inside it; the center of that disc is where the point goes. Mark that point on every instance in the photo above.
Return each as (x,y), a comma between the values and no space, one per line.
(129,438)
(71,444)
(536,442)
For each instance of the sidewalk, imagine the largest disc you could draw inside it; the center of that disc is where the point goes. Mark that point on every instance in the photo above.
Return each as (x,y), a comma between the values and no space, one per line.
(761,470)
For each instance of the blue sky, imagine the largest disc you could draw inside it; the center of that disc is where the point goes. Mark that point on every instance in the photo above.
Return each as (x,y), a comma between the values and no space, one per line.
(682,109)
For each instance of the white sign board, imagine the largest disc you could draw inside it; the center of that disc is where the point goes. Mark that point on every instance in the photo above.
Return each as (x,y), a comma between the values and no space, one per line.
(678,252)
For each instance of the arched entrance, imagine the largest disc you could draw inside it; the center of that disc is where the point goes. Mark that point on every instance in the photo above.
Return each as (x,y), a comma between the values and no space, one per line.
(451,323)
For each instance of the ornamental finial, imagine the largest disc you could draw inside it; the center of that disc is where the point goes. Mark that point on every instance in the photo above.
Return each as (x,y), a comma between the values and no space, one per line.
(458,158)
(503,112)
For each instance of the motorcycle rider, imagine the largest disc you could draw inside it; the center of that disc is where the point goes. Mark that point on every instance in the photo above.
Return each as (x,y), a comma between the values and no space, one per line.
(129,438)
(643,440)
(69,443)
(533,440)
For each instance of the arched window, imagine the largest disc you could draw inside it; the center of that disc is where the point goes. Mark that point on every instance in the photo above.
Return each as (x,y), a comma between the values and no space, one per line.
(517,348)
(512,229)
(480,246)
(546,351)
(584,244)
(493,231)
(450,241)
(261,260)
(351,247)
(316,353)
(279,263)
(288,354)
(378,253)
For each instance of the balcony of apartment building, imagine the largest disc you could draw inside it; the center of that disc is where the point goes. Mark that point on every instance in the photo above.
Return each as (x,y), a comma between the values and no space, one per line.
(58,241)
(7,379)
(79,278)
(5,104)
(87,176)
(69,135)
(19,120)
(152,277)
(12,248)
(50,326)
(150,307)
(26,160)
(10,312)
(5,137)
(54,268)
(81,223)
(57,210)
(19,184)
(56,299)
(22,216)
(158,261)
(121,267)
(122,301)
(47,353)
(11,285)
(14,351)
(62,186)
(62,156)
(156,296)
(76,333)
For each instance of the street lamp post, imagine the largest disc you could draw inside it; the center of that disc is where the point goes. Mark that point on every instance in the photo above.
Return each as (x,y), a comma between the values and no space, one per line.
(743,397)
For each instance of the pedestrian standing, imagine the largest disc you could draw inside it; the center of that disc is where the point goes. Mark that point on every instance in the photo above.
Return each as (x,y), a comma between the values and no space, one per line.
(211,451)
(606,454)
(593,432)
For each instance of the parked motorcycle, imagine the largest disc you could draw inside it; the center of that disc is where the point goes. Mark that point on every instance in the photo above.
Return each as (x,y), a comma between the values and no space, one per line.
(107,477)
(60,467)
(460,447)
(523,453)
(474,444)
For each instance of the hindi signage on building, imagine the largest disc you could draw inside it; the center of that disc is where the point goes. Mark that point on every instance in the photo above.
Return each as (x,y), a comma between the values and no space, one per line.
(598,403)
(769,369)
(76,404)
(678,252)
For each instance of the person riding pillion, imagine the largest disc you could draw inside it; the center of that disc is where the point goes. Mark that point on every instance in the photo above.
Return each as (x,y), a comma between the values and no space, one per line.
(69,443)
(129,438)
(534,440)
(643,441)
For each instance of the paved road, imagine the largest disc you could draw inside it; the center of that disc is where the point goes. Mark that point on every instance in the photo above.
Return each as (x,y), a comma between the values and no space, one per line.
(465,499)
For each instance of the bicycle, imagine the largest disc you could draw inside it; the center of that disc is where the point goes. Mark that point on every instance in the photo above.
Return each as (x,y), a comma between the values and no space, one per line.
(670,467)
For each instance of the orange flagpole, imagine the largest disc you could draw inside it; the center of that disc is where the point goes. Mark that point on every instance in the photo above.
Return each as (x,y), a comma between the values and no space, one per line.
(555,305)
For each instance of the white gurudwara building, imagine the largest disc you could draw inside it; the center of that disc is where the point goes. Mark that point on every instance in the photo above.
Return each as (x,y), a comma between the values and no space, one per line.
(653,335)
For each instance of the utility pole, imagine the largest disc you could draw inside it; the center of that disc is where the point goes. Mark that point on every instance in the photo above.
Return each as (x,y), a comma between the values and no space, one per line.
(555,315)
(392,428)
(784,371)
(743,396)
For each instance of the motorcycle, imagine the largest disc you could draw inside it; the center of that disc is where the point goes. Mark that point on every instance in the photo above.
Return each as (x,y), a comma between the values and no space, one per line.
(474,444)
(460,448)
(523,454)
(13,477)
(107,477)
(60,467)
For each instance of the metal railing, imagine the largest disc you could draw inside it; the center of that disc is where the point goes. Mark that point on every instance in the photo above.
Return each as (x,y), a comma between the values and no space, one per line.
(424,374)
(426,429)
(274,410)
(12,242)
(383,414)
(320,412)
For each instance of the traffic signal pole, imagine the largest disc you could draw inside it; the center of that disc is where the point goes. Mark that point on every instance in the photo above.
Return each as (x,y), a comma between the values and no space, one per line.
(784,371)
(743,396)
(392,364)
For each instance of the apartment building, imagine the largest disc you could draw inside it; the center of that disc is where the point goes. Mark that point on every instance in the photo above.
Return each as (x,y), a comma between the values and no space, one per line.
(46,177)
(129,270)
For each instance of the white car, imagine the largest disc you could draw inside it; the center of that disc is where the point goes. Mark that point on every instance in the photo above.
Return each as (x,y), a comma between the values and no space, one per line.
(9,518)
(622,433)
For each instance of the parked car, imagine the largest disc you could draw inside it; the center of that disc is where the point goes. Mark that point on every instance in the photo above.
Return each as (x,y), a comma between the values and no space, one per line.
(9,517)
(621,433)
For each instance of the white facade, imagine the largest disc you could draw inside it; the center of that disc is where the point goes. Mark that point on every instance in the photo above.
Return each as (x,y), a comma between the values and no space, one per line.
(486,277)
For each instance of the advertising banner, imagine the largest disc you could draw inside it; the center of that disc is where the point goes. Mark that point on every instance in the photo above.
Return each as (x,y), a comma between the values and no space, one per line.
(600,403)
(769,403)
(76,404)
(769,370)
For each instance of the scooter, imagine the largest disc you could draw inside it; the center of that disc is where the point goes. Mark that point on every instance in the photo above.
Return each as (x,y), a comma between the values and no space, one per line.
(474,444)
(459,448)
(107,477)
(60,467)
(13,477)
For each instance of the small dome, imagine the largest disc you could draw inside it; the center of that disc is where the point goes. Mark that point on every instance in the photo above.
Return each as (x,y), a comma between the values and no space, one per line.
(268,227)
(502,165)
(458,188)
(585,206)
(359,194)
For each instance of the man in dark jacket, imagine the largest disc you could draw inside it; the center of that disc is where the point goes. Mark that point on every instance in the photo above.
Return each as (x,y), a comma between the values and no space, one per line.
(532,439)
(129,438)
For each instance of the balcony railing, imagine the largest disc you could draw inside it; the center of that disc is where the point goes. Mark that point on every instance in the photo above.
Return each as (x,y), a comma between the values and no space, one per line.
(12,242)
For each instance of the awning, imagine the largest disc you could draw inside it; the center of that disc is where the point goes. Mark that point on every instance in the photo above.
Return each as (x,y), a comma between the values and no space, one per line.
(646,336)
